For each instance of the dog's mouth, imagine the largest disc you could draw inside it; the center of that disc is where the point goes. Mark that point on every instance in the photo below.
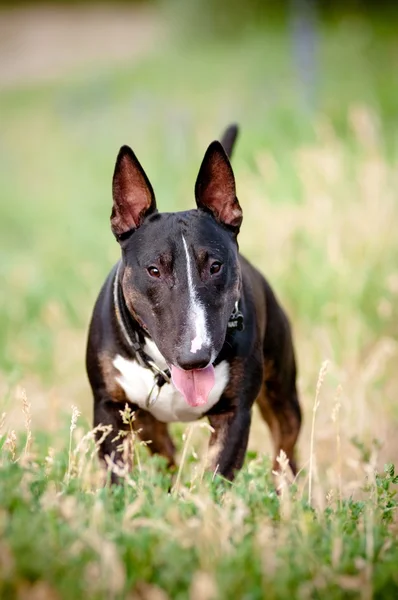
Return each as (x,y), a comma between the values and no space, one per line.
(195,385)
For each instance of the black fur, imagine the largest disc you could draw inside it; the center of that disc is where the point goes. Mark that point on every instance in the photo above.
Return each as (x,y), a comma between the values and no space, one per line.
(153,284)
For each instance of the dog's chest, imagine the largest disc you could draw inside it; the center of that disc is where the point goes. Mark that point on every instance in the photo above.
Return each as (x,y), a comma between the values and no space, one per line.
(137,383)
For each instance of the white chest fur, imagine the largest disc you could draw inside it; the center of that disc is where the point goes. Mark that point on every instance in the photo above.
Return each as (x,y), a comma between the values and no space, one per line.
(137,382)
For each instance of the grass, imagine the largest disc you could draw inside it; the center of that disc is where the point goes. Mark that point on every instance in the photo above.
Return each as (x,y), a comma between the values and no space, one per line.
(65,536)
(319,196)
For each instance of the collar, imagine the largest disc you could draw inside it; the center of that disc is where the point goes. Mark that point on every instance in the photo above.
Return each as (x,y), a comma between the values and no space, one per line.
(132,336)
(134,340)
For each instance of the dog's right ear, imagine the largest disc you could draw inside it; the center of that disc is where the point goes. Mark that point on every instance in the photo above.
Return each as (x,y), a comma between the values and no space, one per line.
(133,197)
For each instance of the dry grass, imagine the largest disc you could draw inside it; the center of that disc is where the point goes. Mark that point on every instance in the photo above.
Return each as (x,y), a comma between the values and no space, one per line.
(330,546)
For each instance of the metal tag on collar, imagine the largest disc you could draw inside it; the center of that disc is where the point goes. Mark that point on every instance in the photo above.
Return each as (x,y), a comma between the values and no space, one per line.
(236,319)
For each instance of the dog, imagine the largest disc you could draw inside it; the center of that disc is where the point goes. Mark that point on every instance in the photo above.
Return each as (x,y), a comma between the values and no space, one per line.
(185,327)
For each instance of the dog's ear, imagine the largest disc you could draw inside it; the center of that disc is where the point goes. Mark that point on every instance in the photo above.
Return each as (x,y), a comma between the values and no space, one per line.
(133,197)
(215,188)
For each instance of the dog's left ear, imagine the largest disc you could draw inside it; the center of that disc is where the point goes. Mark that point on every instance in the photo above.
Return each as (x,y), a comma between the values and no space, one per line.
(215,188)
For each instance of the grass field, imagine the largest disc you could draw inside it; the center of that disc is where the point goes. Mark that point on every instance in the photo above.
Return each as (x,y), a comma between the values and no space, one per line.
(319,194)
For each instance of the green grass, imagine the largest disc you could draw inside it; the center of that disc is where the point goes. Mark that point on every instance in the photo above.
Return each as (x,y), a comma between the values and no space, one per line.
(319,194)
(66,537)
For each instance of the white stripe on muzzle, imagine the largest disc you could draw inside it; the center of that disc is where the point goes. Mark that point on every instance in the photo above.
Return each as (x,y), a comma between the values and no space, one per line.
(196,313)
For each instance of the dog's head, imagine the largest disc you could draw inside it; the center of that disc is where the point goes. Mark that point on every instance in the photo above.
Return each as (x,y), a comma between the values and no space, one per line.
(181,275)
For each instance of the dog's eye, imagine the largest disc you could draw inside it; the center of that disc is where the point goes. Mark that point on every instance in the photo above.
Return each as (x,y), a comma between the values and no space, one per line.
(215,267)
(153,271)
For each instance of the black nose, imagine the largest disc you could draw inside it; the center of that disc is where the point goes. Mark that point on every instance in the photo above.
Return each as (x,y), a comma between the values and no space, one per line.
(189,361)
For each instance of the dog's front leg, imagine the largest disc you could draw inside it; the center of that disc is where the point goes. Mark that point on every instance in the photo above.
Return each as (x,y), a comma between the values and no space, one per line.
(228,442)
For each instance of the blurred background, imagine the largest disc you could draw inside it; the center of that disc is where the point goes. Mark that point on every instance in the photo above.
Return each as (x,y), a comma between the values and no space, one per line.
(314,88)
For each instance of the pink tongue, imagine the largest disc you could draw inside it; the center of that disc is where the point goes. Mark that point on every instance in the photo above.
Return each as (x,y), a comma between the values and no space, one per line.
(194,385)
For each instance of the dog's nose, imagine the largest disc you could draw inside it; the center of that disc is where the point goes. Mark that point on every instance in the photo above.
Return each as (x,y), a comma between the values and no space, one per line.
(189,361)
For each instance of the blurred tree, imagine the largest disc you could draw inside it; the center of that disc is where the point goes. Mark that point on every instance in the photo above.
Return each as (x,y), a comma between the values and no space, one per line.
(227,15)
(234,18)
